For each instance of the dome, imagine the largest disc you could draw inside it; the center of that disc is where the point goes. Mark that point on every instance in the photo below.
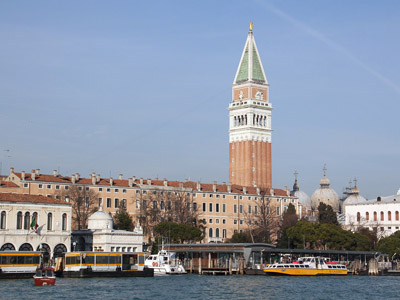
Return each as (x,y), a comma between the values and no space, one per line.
(355,197)
(304,199)
(325,195)
(100,220)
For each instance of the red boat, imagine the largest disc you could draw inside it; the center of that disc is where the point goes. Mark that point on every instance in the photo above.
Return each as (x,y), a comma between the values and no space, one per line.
(44,276)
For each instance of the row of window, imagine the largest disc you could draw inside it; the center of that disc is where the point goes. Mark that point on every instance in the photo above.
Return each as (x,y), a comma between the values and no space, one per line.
(124,191)
(211,233)
(382,216)
(117,203)
(27,221)
(211,207)
(210,221)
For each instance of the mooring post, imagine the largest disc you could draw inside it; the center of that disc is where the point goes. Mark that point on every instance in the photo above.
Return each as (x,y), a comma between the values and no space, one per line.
(230,265)
(200,271)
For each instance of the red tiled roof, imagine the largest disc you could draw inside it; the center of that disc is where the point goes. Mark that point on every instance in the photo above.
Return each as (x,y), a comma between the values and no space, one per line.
(8,184)
(205,187)
(8,197)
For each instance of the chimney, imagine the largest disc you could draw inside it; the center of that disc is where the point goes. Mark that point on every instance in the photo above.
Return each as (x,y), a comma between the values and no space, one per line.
(73,178)
(130,182)
(11,170)
(156,179)
(111,181)
(229,188)
(37,171)
(244,190)
(186,180)
(165,182)
(133,178)
(121,176)
(141,181)
(54,172)
(33,175)
(285,187)
(198,186)
(181,185)
(93,179)
(215,186)
(149,181)
(77,176)
(271,191)
(258,191)
(98,178)
(223,183)
(287,192)
(23,175)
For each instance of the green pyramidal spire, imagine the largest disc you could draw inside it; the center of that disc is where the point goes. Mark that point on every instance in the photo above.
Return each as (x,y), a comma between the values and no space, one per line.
(250,66)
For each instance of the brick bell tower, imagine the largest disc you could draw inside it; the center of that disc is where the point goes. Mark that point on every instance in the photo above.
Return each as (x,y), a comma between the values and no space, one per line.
(250,121)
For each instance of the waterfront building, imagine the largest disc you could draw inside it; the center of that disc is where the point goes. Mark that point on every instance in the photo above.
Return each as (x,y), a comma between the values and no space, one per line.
(101,236)
(33,223)
(224,208)
(250,162)
(381,214)
(324,194)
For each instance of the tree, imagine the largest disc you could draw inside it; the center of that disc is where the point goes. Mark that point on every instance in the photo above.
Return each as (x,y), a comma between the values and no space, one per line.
(326,215)
(263,223)
(123,220)
(316,236)
(390,244)
(83,201)
(178,233)
(167,206)
(289,217)
(241,237)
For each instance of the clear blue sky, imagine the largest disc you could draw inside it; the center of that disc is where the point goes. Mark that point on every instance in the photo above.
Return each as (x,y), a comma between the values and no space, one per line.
(142,88)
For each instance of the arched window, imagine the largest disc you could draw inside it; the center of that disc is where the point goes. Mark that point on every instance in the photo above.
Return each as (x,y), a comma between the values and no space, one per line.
(19,220)
(25,247)
(367,216)
(224,233)
(210,232)
(375,216)
(49,221)
(217,232)
(27,220)
(64,222)
(389,216)
(358,217)
(3,220)
(382,216)
(397,215)
(35,217)
(7,246)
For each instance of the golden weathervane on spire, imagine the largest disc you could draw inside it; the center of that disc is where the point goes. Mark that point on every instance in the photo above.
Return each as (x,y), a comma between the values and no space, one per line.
(251,26)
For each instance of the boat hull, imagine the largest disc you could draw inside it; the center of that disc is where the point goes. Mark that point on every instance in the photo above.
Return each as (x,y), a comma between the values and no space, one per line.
(304,272)
(87,273)
(45,281)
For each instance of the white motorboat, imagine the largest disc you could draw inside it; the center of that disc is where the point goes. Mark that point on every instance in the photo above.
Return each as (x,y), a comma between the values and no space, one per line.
(164,263)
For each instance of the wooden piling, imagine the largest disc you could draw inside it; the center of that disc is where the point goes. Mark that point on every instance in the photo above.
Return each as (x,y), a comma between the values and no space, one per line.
(200,265)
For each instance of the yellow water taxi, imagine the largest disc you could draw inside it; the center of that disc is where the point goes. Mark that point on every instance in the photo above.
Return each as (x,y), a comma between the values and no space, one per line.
(306,266)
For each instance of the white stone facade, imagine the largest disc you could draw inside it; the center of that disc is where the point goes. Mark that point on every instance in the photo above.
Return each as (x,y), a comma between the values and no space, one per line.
(53,232)
(382,214)
(102,237)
